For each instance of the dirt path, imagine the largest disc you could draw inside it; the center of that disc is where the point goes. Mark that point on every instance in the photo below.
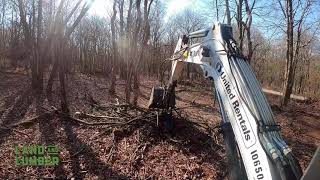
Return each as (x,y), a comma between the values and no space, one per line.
(268,91)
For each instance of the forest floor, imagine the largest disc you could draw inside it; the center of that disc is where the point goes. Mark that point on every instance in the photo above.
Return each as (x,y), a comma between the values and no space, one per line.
(136,150)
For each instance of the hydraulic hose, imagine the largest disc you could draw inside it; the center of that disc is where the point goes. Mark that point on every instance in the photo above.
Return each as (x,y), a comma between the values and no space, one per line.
(251,93)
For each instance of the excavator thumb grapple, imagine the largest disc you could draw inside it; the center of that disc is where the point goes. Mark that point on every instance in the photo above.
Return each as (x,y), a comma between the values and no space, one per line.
(156,97)
(162,97)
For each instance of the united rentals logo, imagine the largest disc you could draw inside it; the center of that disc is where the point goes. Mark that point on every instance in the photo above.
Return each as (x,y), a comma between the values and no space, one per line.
(242,121)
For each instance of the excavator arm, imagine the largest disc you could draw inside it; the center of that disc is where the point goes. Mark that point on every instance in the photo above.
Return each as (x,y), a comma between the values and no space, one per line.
(254,144)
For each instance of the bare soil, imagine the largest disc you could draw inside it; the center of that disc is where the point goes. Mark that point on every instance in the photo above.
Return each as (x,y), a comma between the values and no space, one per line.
(139,150)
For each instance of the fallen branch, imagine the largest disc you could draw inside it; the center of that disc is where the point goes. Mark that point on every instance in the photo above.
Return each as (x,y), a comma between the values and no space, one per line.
(79,120)
(80,150)
(174,140)
(30,120)
(25,122)
(95,116)
(134,119)
(88,123)
(109,105)
(112,147)
(103,123)
(138,154)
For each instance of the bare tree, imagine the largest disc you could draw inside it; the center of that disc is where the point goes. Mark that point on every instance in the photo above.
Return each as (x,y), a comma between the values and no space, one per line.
(227,12)
(293,44)
(247,26)
(115,48)
(58,39)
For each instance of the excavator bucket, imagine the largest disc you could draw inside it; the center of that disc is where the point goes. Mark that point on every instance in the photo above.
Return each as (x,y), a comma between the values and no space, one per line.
(162,97)
(156,98)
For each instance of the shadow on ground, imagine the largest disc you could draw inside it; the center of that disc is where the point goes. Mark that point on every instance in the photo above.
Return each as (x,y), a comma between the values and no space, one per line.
(93,165)
(16,111)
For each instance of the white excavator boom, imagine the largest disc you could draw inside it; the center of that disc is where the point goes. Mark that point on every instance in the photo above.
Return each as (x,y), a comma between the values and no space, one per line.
(257,150)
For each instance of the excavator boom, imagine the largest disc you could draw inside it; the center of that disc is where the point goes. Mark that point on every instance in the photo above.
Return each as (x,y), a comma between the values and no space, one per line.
(250,132)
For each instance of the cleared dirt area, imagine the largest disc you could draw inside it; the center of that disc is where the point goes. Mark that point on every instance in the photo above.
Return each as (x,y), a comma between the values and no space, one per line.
(139,150)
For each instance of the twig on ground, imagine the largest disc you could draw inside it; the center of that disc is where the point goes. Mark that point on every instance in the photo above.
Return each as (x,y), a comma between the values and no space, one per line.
(138,118)
(80,150)
(186,107)
(25,122)
(104,123)
(112,147)
(178,113)
(107,106)
(157,113)
(88,123)
(95,116)
(138,154)
(174,140)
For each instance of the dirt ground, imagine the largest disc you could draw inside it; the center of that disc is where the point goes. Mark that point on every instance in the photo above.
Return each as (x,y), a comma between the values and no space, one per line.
(140,150)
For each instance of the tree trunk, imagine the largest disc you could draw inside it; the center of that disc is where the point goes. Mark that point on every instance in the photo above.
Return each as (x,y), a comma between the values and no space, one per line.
(63,93)
(289,73)
(40,59)
(136,85)
(127,63)
(188,71)
(51,78)
(239,22)
(228,12)
(248,29)
(128,85)
(114,46)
